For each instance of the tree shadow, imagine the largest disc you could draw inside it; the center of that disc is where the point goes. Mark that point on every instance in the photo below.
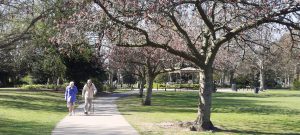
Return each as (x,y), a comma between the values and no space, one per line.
(249,106)
(256,132)
(177,102)
(14,127)
(31,103)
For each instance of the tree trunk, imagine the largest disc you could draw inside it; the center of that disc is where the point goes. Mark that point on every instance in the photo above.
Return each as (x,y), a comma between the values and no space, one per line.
(223,78)
(57,81)
(203,122)
(231,74)
(142,86)
(147,100)
(296,72)
(262,77)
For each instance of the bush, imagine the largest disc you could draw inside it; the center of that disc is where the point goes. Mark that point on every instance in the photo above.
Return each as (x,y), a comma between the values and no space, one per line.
(27,80)
(296,85)
(40,87)
(177,86)
(32,87)
(107,88)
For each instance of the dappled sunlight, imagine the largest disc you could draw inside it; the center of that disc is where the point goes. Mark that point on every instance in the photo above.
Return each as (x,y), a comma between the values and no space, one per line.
(270,112)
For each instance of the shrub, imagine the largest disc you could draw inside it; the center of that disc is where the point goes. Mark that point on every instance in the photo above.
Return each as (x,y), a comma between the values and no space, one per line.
(177,86)
(107,88)
(32,87)
(296,85)
(27,79)
(40,87)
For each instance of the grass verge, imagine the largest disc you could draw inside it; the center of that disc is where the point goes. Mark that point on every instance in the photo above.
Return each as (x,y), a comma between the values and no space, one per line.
(30,112)
(270,112)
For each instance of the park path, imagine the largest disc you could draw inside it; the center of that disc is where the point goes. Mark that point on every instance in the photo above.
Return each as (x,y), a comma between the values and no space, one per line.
(106,120)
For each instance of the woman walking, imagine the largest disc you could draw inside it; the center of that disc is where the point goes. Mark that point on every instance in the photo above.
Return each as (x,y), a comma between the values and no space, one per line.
(70,97)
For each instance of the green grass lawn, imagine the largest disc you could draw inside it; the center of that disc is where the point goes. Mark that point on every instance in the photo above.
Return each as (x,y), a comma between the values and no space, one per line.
(271,112)
(30,113)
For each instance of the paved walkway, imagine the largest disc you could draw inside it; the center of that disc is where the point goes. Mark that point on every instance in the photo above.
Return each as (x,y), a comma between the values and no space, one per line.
(106,120)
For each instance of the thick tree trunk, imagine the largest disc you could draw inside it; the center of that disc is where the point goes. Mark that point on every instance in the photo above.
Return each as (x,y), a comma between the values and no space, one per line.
(203,122)
(147,100)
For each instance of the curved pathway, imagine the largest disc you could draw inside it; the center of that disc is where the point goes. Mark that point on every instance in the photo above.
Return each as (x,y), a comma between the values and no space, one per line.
(106,120)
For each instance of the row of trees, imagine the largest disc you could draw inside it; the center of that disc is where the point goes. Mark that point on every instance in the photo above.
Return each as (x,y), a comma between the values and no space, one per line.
(27,28)
(196,30)
(277,65)
(156,34)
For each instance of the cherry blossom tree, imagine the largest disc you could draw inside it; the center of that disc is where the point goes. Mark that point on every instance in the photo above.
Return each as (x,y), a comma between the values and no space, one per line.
(227,62)
(202,26)
(146,63)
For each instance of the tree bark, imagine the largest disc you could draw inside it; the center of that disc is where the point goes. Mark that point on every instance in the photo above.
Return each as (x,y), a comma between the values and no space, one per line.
(262,76)
(203,122)
(147,100)
(296,72)
(142,86)
(231,74)
(223,78)
(57,81)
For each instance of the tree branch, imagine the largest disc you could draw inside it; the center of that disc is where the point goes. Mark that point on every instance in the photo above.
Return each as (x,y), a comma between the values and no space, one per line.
(205,18)
(190,45)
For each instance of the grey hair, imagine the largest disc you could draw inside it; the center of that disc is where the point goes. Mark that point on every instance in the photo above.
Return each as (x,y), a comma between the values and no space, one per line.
(89,80)
(71,83)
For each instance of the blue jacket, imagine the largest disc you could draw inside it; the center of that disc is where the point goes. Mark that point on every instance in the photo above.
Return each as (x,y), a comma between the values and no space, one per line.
(70,93)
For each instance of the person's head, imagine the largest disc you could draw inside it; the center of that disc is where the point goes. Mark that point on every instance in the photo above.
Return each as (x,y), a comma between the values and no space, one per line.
(71,84)
(89,81)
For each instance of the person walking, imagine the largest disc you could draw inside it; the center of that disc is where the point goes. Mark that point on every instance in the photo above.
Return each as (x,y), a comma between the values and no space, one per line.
(70,97)
(88,92)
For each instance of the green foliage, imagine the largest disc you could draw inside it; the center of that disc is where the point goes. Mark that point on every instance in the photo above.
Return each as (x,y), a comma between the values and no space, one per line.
(177,86)
(245,80)
(27,79)
(128,78)
(108,88)
(40,87)
(296,85)
(82,65)
(161,78)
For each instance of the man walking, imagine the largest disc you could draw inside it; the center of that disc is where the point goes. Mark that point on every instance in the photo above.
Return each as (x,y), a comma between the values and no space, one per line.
(88,92)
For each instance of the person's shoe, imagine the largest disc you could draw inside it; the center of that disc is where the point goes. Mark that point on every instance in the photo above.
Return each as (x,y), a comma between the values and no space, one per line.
(85,113)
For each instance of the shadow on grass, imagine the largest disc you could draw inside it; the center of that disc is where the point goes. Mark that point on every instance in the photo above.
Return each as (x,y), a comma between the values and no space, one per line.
(257,132)
(187,102)
(13,127)
(249,106)
(45,103)
(260,95)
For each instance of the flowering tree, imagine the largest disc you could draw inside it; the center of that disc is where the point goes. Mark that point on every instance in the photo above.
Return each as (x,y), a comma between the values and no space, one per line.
(286,59)
(145,62)
(202,27)
(227,62)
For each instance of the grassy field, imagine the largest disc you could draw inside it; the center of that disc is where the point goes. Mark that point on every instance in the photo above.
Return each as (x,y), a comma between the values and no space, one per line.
(30,113)
(271,112)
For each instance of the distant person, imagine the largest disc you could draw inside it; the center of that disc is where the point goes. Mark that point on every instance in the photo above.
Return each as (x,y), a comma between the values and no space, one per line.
(70,97)
(88,92)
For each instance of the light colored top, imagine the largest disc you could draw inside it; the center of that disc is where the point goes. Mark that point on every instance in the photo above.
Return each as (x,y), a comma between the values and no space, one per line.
(89,91)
